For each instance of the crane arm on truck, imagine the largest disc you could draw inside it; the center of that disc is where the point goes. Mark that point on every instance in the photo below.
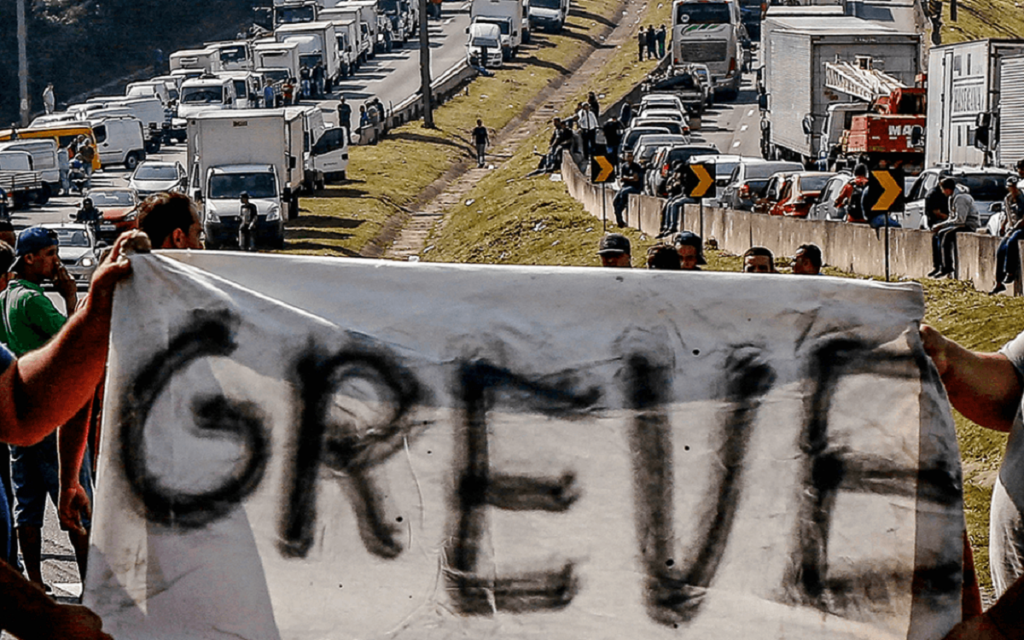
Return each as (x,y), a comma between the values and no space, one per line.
(860,80)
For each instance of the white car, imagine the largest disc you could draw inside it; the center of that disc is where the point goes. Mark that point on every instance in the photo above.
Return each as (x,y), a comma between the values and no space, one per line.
(155,176)
(76,249)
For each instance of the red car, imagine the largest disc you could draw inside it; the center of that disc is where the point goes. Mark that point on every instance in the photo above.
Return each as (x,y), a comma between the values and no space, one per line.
(118,207)
(799,192)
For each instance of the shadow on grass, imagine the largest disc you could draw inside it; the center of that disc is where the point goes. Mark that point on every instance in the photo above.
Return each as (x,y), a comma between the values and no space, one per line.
(568,32)
(418,137)
(547,64)
(291,245)
(306,235)
(586,15)
(324,222)
(340,192)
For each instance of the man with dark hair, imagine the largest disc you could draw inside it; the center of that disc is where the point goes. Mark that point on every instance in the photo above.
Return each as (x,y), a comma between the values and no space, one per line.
(663,257)
(758,260)
(690,248)
(171,221)
(963,216)
(851,196)
(480,141)
(631,180)
(614,251)
(8,235)
(807,260)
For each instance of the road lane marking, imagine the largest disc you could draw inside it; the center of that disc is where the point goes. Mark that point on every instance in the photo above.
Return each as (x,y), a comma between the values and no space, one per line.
(744,128)
(750,113)
(735,144)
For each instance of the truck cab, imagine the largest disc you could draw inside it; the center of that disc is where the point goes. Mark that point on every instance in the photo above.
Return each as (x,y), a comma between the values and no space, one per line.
(350,18)
(233,55)
(206,60)
(295,12)
(204,94)
(282,55)
(549,15)
(221,201)
(317,42)
(484,37)
(838,118)
(508,15)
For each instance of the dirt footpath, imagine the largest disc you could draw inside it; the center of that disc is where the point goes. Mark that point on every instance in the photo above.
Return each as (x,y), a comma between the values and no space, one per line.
(405,235)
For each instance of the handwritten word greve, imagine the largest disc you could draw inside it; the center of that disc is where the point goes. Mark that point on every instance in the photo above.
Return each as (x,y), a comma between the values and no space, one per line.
(673,590)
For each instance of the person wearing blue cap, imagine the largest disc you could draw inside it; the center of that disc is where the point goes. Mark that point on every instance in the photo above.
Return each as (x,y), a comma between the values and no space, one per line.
(29,320)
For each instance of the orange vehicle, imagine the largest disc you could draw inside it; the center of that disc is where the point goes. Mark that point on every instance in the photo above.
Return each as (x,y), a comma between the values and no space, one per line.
(63,132)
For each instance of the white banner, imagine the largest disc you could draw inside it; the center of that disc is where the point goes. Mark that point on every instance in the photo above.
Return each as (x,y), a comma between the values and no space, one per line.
(312,448)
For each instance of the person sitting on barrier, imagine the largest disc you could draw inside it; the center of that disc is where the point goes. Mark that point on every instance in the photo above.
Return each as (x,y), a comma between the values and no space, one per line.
(677,199)
(561,140)
(851,197)
(1012,230)
(807,260)
(614,251)
(691,252)
(663,257)
(631,179)
(963,216)
(758,260)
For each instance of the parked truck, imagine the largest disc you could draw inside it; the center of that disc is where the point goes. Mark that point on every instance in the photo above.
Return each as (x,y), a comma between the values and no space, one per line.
(295,12)
(156,120)
(233,55)
(350,19)
(207,60)
(963,96)
(318,43)
(325,149)
(400,13)
(257,151)
(508,15)
(21,184)
(365,11)
(549,15)
(794,99)
(1010,122)
(277,55)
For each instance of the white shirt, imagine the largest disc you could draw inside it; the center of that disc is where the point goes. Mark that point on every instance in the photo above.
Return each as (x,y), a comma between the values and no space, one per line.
(586,119)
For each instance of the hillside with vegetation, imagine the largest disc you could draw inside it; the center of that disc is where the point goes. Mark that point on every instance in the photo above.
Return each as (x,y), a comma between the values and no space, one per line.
(80,45)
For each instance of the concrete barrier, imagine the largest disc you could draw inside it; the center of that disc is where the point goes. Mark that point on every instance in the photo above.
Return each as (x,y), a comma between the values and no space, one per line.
(855,248)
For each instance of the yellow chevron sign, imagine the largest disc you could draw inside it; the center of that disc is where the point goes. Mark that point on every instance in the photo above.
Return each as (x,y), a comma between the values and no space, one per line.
(700,181)
(601,169)
(892,190)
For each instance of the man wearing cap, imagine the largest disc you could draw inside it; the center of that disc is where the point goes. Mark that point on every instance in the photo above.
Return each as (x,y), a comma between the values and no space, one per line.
(691,252)
(1012,230)
(807,260)
(29,320)
(615,251)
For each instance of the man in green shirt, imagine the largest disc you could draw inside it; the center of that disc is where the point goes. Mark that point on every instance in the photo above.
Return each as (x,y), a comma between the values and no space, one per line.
(29,320)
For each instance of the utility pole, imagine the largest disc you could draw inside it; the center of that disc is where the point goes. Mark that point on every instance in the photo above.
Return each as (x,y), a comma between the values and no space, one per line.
(428,99)
(22,65)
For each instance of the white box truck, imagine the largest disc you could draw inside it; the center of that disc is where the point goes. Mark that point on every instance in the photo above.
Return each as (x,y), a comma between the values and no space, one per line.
(367,13)
(296,11)
(508,15)
(794,99)
(258,151)
(1011,111)
(549,15)
(963,95)
(317,42)
(207,60)
(347,34)
(325,148)
(277,55)
(234,55)
(359,30)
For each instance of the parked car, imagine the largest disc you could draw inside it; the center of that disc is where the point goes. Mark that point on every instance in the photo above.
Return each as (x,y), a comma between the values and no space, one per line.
(825,207)
(77,250)
(661,113)
(674,126)
(686,86)
(646,146)
(986,184)
(631,134)
(704,75)
(748,181)
(118,207)
(668,157)
(153,176)
(799,192)
(772,192)
(661,101)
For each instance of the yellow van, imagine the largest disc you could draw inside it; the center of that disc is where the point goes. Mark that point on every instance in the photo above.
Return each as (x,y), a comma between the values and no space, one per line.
(63,132)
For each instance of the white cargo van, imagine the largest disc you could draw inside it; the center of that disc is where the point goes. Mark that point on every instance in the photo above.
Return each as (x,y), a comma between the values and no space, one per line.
(247,87)
(155,118)
(484,36)
(119,140)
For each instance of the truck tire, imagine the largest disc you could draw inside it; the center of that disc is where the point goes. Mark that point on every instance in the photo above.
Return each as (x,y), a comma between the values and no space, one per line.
(131,161)
(42,195)
(153,145)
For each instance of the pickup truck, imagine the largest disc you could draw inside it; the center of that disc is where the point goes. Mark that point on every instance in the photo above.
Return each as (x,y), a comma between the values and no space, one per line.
(22,187)
(681,81)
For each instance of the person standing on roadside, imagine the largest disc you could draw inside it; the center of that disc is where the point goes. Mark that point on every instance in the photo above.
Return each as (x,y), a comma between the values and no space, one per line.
(595,106)
(64,167)
(659,36)
(641,41)
(246,223)
(268,96)
(481,140)
(345,118)
(612,130)
(652,42)
(587,123)
(49,102)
